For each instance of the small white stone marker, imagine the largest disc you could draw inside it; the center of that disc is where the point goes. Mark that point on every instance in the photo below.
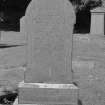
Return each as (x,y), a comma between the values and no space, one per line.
(97,21)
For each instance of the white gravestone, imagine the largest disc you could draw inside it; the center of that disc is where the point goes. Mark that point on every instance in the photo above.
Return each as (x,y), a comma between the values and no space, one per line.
(97,21)
(49,28)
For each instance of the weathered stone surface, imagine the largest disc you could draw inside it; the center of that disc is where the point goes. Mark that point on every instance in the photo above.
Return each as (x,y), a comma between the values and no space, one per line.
(89,47)
(90,77)
(89,66)
(88,57)
(12,75)
(48,94)
(89,72)
(49,24)
(13,38)
(13,56)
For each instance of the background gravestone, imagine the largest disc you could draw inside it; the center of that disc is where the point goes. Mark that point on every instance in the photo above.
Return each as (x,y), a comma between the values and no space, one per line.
(49,24)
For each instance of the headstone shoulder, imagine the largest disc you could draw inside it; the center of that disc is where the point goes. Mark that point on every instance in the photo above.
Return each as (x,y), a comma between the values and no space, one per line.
(31,9)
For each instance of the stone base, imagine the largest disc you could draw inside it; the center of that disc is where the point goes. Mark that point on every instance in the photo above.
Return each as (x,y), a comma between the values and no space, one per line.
(44,93)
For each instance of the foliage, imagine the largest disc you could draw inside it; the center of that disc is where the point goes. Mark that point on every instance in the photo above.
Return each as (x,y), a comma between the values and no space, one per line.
(103,3)
(86,4)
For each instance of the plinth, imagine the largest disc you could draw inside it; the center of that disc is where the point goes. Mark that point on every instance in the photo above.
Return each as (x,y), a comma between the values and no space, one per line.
(48,94)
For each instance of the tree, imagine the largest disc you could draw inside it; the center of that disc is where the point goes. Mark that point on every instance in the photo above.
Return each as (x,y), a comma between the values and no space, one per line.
(103,3)
(86,4)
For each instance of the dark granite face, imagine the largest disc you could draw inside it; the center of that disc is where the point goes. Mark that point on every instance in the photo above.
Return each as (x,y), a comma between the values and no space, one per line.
(10,13)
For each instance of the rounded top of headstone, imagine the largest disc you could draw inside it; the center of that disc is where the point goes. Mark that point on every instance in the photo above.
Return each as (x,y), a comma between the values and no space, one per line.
(31,8)
(98,10)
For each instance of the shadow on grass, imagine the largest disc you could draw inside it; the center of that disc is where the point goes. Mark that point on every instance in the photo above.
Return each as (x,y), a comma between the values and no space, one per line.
(9,97)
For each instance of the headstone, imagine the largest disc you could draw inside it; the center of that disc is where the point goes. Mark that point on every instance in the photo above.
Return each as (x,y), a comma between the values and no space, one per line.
(49,28)
(97,21)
